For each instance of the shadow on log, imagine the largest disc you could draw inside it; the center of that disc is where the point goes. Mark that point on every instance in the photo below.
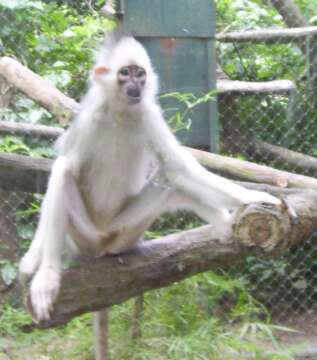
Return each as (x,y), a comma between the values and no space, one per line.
(94,284)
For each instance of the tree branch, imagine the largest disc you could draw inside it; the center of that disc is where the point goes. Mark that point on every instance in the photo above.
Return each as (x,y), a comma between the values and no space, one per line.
(245,170)
(282,155)
(38,89)
(268,36)
(290,13)
(100,283)
(29,174)
(254,88)
(26,129)
(24,173)
(64,107)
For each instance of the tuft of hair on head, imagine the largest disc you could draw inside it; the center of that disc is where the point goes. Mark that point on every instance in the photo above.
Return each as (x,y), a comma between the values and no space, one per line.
(121,49)
(111,39)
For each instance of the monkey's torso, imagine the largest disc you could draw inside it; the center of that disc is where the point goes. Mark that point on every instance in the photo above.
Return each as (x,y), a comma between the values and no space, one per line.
(113,166)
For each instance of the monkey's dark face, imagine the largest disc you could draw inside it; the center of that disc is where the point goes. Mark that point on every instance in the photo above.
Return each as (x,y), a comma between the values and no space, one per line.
(132,79)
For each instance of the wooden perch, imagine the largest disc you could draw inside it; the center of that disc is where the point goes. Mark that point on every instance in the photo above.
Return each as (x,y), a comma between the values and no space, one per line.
(282,155)
(26,129)
(29,174)
(94,284)
(38,89)
(248,171)
(263,151)
(24,173)
(269,36)
(64,107)
(255,88)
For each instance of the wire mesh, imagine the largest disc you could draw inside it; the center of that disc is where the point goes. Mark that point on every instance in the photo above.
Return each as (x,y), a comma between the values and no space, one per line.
(258,126)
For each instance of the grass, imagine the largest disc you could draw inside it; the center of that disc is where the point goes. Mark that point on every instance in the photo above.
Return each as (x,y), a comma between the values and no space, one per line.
(185,321)
(209,316)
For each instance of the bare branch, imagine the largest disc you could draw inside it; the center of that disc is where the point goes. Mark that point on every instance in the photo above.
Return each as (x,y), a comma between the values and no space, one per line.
(38,89)
(26,129)
(29,174)
(255,88)
(282,155)
(24,173)
(245,170)
(64,107)
(269,36)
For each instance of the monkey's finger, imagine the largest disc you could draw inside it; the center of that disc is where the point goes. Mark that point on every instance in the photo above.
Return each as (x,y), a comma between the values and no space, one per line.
(294,218)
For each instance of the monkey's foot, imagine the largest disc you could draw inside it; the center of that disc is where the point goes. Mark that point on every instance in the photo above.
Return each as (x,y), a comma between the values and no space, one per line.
(28,266)
(44,291)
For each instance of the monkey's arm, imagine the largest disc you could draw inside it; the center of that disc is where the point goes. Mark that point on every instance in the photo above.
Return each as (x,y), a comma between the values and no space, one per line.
(183,171)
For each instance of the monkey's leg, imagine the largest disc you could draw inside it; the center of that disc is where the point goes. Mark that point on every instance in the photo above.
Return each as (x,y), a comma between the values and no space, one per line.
(78,214)
(101,329)
(153,200)
(31,260)
(54,222)
(156,199)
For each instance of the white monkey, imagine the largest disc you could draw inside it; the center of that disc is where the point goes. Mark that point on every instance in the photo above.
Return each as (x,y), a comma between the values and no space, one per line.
(101,193)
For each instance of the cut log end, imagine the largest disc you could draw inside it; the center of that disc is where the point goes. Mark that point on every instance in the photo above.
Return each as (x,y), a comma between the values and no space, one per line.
(262,226)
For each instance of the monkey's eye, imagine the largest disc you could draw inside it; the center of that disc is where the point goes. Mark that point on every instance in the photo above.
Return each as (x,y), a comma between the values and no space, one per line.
(124,72)
(141,73)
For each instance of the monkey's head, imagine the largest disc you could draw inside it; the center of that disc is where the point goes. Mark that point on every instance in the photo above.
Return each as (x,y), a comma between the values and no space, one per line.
(132,79)
(125,71)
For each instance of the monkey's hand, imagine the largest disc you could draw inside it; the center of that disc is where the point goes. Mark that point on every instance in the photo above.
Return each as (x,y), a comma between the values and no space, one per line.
(44,290)
(253,196)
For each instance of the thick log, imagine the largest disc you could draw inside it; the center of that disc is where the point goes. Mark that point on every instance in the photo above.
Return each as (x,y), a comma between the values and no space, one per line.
(23,173)
(94,284)
(38,89)
(269,36)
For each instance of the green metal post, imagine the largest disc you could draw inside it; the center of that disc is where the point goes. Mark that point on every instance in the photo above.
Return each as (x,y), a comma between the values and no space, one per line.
(179,36)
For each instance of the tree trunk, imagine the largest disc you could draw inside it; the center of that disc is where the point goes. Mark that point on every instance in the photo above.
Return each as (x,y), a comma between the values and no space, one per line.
(290,13)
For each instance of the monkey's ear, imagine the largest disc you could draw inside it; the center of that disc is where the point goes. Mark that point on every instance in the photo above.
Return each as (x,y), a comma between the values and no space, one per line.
(100,70)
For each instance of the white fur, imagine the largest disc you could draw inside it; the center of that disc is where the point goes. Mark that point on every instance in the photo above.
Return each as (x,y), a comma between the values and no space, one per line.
(109,151)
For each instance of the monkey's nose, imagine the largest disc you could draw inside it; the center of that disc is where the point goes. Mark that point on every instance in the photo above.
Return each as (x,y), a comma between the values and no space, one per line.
(133,92)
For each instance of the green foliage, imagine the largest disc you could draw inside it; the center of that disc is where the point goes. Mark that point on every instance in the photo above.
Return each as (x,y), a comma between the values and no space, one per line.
(180,118)
(276,119)
(56,42)
(8,271)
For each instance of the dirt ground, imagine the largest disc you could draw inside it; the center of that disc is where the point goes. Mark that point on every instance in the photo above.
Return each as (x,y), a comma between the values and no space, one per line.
(305,335)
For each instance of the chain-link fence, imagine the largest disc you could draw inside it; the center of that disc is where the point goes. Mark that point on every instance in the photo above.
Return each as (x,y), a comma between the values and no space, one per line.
(265,124)
(269,106)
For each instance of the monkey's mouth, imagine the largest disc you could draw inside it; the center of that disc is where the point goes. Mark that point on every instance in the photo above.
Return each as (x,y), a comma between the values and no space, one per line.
(134,100)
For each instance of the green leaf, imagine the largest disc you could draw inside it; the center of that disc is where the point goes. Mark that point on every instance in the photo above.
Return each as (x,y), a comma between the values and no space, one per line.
(8,272)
